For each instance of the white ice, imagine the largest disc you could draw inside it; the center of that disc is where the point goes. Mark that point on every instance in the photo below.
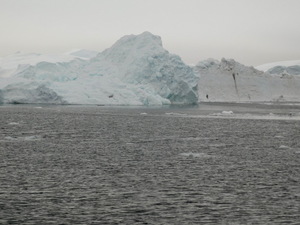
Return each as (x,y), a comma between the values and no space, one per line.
(136,70)
(230,81)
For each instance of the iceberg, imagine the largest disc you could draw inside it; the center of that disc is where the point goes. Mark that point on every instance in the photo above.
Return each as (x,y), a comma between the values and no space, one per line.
(284,67)
(230,81)
(18,61)
(136,70)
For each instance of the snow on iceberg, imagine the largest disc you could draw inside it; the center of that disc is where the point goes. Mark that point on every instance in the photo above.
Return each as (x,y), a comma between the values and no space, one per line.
(136,70)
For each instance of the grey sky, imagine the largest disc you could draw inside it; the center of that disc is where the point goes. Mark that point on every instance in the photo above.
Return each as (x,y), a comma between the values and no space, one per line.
(252,32)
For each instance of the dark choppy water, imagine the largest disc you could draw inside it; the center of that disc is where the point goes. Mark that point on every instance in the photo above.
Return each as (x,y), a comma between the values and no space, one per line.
(97,165)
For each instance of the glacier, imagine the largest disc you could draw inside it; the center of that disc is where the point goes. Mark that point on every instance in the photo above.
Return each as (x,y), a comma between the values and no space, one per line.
(136,70)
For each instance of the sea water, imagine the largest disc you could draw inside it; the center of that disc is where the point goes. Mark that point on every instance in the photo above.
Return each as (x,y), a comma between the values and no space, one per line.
(207,164)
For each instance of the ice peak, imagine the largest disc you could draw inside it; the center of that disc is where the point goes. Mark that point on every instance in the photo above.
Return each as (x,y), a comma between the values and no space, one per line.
(131,44)
(145,38)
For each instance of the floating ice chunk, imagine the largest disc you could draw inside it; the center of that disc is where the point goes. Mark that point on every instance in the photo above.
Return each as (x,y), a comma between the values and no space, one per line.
(143,113)
(284,147)
(14,123)
(217,145)
(196,155)
(176,114)
(32,138)
(223,113)
(27,138)
(192,138)
(227,112)
(279,136)
(10,138)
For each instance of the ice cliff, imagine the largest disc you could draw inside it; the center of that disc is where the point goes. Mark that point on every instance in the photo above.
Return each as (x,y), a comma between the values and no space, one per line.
(230,81)
(136,70)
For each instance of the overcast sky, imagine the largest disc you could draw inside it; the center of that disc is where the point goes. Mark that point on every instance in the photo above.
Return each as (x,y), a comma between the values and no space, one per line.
(252,32)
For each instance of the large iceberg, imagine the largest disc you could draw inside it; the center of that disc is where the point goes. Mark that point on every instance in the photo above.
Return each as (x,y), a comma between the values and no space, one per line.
(230,81)
(136,70)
